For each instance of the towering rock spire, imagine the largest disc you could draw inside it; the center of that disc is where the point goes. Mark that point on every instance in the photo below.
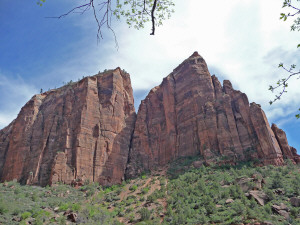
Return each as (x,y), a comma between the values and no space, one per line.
(190,113)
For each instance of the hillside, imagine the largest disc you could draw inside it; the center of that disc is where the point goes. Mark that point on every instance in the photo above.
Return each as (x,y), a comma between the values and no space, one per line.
(184,193)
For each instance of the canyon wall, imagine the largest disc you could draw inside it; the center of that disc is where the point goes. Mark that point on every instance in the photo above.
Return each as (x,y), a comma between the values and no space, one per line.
(79,132)
(191,113)
(89,131)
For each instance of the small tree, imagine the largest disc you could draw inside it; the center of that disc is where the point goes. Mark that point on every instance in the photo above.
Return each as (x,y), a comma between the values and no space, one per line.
(145,214)
(277,181)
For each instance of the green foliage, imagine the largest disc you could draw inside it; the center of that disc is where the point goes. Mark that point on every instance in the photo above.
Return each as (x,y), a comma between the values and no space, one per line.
(133,188)
(25,215)
(145,190)
(293,9)
(3,207)
(76,207)
(137,13)
(145,214)
(64,207)
(35,199)
(180,166)
(40,2)
(197,196)
(197,192)
(277,181)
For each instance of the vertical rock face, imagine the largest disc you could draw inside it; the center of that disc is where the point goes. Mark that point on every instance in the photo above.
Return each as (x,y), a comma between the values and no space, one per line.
(287,151)
(80,131)
(4,144)
(190,113)
(88,130)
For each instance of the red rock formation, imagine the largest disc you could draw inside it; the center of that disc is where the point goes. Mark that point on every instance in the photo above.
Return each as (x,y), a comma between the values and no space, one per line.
(80,131)
(190,113)
(84,131)
(5,134)
(288,151)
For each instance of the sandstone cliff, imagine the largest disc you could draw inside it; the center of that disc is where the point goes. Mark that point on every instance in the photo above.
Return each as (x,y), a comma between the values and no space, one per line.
(88,130)
(81,131)
(190,113)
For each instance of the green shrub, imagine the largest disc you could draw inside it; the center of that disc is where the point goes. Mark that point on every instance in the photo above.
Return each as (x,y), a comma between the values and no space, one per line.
(76,207)
(277,181)
(129,209)
(145,214)
(25,215)
(145,190)
(151,198)
(133,188)
(3,208)
(64,207)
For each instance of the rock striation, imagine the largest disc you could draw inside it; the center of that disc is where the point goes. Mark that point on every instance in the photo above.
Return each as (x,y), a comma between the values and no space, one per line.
(89,131)
(81,131)
(191,113)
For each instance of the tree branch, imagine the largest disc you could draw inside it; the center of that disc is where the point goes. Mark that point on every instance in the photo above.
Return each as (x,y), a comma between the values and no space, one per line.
(153,17)
(283,82)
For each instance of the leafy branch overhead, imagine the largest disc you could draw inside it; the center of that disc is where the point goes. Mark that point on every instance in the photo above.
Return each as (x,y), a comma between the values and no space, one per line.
(282,84)
(136,12)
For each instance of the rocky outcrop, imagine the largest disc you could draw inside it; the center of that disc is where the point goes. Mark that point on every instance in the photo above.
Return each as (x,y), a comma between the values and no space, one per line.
(5,135)
(287,151)
(295,201)
(81,131)
(191,113)
(282,210)
(88,130)
(259,196)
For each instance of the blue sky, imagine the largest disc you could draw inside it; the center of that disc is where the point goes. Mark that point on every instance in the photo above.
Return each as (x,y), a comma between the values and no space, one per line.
(241,40)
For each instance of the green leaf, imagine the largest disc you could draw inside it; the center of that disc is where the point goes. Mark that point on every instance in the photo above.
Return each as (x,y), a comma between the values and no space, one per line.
(298,46)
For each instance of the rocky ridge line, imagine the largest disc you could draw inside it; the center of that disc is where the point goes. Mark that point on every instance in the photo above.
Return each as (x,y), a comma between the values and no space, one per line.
(191,113)
(89,131)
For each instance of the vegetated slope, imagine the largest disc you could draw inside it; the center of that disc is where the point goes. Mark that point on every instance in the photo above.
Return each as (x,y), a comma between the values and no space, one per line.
(190,193)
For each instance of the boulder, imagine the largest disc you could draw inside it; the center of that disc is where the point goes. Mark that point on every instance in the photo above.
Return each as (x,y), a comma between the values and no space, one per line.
(295,201)
(228,201)
(260,197)
(247,183)
(282,210)
(198,164)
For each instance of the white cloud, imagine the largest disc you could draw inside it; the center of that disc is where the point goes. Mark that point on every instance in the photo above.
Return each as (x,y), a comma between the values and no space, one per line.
(244,39)
(15,92)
